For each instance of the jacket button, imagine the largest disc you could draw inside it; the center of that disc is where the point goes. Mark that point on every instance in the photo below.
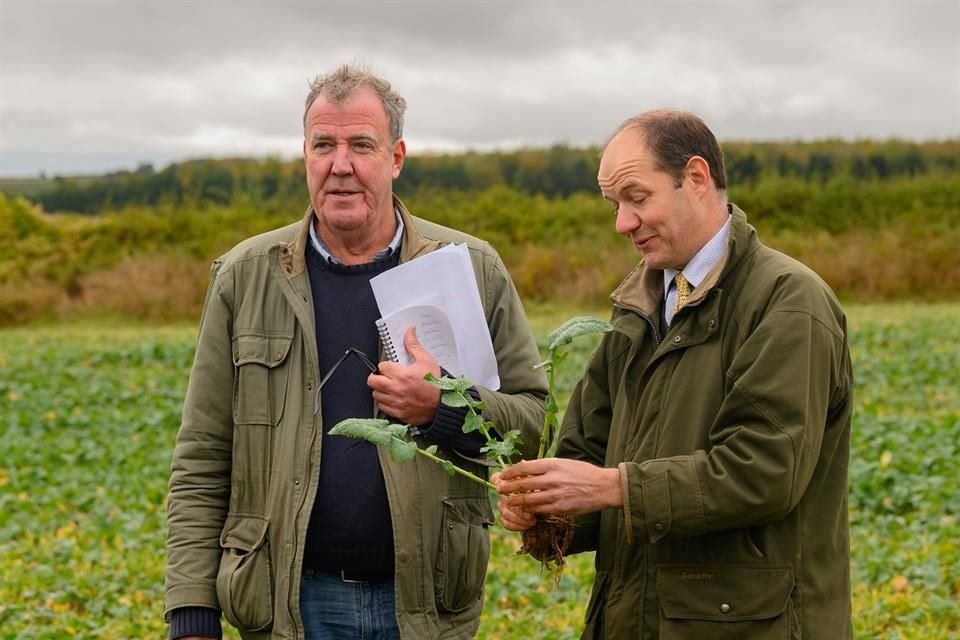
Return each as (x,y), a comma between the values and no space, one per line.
(713,323)
(677,339)
(296,482)
(658,526)
(279,355)
(450,526)
(724,608)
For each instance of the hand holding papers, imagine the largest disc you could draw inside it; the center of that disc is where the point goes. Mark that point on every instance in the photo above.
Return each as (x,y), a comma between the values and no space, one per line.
(437,293)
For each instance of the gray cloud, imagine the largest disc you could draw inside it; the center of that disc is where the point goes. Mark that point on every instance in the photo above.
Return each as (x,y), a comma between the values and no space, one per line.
(87,85)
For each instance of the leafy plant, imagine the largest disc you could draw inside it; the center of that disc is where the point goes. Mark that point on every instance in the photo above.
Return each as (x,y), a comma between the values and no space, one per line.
(396,436)
(549,538)
(455,393)
(561,337)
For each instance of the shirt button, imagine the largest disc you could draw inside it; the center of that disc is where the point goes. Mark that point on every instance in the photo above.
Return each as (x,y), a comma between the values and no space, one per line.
(677,339)
(724,608)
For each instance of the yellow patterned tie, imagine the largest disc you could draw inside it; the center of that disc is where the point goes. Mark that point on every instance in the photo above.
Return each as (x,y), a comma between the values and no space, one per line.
(683,291)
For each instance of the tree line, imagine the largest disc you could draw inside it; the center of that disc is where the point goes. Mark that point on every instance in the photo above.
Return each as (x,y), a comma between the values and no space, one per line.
(557,172)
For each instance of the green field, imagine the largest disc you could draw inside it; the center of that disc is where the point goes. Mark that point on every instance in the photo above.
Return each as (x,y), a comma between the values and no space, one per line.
(88,417)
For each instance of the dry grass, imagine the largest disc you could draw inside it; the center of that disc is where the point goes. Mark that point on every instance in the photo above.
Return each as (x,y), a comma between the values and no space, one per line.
(863,266)
(884,265)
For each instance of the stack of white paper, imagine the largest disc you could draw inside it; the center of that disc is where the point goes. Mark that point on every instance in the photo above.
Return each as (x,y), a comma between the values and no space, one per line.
(441,280)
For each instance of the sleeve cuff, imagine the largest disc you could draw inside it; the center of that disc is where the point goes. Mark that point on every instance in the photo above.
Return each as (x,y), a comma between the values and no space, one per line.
(447,428)
(195,621)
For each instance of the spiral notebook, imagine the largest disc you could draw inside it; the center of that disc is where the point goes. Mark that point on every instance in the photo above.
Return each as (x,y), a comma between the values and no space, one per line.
(433,331)
(438,294)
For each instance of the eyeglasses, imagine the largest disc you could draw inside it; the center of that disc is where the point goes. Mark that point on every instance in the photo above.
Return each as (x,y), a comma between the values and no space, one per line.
(361,356)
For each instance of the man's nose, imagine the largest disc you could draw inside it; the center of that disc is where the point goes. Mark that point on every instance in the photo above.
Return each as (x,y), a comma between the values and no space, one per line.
(342,164)
(627,222)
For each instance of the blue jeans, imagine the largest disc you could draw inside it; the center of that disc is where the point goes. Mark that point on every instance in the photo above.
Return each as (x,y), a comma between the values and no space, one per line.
(336,610)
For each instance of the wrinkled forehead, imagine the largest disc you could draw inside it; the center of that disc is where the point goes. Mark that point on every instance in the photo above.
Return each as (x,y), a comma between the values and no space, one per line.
(625,156)
(362,104)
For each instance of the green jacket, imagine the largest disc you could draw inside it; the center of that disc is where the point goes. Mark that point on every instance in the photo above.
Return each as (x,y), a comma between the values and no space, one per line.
(244,474)
(731,432)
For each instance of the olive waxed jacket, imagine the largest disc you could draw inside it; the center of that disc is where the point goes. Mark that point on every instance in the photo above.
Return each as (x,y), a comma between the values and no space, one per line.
(244,473)
(731,432)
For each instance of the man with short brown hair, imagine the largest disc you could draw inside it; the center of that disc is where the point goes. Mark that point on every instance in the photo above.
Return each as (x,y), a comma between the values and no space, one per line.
(706,447)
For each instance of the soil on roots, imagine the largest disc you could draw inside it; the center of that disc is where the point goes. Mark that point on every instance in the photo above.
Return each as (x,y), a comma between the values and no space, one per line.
(548,541)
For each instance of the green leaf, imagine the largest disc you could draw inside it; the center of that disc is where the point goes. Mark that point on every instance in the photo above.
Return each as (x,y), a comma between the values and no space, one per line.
(453,399)
(576,327)
(472,422)
(373,430)
(380,432)
(445,383)
(550,404)
(432,449)
(506,448)
(402,451)
(512,437)
(448,467)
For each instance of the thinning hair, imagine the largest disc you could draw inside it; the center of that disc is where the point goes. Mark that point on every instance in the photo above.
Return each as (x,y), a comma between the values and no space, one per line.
(673,137)
(341,84)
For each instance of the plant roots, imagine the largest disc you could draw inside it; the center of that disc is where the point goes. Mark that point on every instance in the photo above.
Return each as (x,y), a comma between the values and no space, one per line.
(548,541)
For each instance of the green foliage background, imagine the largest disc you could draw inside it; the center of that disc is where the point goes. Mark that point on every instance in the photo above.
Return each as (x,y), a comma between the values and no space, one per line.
(88,418)
(877,220)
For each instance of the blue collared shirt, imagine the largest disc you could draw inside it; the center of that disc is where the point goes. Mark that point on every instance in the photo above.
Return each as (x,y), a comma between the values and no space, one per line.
(324,250)
(697,269)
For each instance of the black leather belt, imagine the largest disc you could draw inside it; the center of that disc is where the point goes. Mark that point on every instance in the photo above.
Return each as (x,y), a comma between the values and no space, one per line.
(351,575)
(348,576)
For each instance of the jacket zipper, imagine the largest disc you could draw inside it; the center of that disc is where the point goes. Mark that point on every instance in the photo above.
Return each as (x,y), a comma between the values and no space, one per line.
(619,560)
(653,326)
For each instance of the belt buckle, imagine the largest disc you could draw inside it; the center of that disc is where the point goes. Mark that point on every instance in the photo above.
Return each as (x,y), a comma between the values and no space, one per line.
(344,578)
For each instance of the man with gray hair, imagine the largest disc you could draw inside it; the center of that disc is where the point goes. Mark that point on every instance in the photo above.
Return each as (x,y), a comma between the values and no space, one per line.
(290,532)
(705,449)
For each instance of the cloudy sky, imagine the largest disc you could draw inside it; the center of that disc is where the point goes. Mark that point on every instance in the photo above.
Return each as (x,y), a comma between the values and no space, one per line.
(87,87)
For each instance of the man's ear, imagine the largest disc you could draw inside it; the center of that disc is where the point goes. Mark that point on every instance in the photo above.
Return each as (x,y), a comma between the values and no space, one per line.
(399,154)
(698,171)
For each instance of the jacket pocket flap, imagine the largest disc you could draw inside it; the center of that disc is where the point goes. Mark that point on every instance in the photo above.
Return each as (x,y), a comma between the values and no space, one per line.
(724,593)
(259,349)
(243,532)
(475,511)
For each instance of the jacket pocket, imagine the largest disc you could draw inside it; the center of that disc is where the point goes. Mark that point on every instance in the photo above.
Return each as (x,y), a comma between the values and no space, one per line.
(245,579)
(724,602)
(464,552)
(260,384)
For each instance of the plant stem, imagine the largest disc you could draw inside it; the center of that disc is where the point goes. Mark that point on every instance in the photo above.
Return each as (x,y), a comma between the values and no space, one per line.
(545,434)
(488,438)
(449,465)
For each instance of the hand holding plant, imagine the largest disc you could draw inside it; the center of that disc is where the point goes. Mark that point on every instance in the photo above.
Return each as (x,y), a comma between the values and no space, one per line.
(549,538)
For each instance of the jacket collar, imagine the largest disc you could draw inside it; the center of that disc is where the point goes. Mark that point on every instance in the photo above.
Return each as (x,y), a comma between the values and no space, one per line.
(292,255)
(642,289)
